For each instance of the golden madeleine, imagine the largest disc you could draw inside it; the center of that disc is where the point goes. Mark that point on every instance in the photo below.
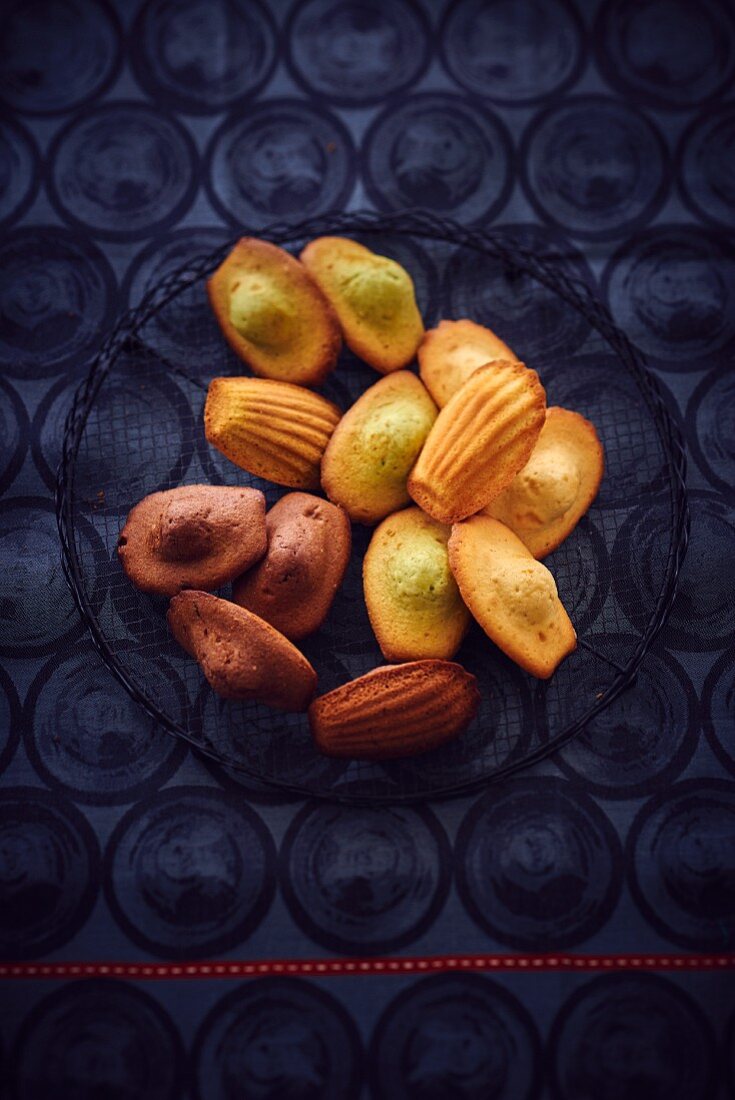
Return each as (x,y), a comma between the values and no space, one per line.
(273,315)
(373,298)
(369,457)
(411,595)
(480,440)
(451,352)
(274,430)
(511,595)
(547,498)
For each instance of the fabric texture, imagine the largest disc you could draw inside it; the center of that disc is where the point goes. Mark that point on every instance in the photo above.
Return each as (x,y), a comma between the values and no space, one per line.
(133,136)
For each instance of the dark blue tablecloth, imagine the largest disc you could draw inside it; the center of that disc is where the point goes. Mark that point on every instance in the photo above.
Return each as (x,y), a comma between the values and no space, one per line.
(136,135)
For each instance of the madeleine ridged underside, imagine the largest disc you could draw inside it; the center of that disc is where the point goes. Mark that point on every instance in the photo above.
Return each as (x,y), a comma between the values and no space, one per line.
(395,710)
(273,430)
(482,437)
(451,352)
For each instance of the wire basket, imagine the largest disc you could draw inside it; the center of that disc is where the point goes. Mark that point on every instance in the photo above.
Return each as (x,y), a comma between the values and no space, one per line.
(136,427)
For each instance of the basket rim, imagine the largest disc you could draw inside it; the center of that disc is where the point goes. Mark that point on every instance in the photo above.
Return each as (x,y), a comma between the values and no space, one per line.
(496,242)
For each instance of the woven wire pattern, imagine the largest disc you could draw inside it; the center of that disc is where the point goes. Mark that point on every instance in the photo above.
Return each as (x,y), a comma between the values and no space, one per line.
(136,427)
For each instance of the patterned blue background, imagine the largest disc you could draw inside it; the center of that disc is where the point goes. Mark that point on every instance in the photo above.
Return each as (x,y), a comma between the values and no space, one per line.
(134,135)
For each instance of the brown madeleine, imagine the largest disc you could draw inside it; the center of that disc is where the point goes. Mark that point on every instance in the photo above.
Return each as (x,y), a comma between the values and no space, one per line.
(241,656)
(292,587)
(395,710)
(195,536)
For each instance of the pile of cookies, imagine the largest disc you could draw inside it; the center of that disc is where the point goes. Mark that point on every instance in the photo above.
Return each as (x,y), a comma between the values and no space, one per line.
(469,477)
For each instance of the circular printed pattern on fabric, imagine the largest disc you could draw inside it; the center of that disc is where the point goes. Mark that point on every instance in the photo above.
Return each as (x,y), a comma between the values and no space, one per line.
(624,1035)
(440,152)
(512,51)
(457,1035)
(702,617)
(538,864)
(672,291)
(285,158)
(534,320)
(354,54)
(37,607)
(19,171)
(203,56)
(57,295)
(190,873)
(706,158)
(158,425)
(645,738)
(710,420)
(596,386)
(90,739)
(10,718)
(47,428)
(277,1037)
(122,171)
(718,709)
(588,187)
(669,54)
(254,790)
(681,864)
(98,1038)
(13,434)
(246,735)
(49,871)
(184,329)
(364,881)
(56,55)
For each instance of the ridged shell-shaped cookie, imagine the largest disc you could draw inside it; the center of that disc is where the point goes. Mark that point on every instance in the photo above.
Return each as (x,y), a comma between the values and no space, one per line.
(547,498)
(482,437)
(273,315)
(194,536)
(373,298)
(412,597)
(511,595)
(241,656)
(395,710)
(293,586)
(377,441)
(271,429)
(451,352)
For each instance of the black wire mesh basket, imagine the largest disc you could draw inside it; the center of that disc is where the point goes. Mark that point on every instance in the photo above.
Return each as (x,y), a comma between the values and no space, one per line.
(136,427)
